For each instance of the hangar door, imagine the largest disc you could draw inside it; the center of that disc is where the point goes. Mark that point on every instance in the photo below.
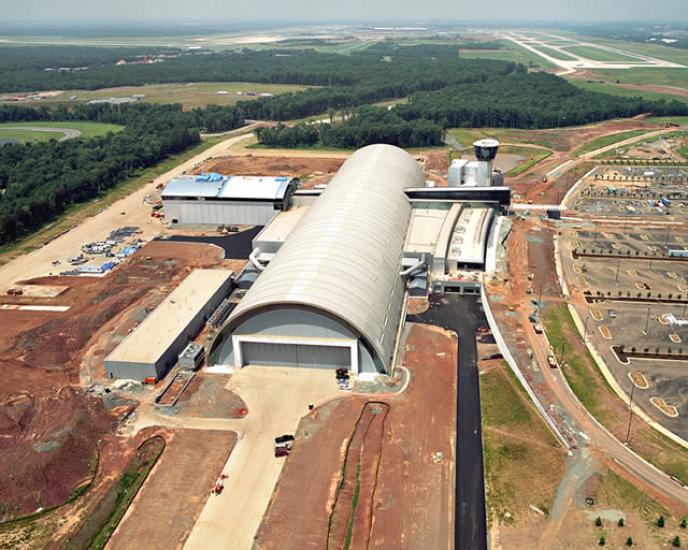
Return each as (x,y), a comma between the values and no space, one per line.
(295,355)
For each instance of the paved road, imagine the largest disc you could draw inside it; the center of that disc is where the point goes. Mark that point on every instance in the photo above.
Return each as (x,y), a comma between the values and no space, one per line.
(237,246)
(463,315)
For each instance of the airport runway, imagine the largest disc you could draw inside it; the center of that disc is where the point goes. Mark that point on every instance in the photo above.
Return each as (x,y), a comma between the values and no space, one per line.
(463,315)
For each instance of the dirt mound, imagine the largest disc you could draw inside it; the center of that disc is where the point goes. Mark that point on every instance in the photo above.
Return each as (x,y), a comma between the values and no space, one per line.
(48,447)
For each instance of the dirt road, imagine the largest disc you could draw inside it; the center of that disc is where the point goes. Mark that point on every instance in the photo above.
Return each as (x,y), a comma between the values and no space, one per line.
(129,211)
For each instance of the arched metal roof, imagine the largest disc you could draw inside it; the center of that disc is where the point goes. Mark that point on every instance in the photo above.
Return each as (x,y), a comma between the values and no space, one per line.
(345,255)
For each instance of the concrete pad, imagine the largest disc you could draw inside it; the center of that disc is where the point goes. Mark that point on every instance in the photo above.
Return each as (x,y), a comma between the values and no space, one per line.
(277,398)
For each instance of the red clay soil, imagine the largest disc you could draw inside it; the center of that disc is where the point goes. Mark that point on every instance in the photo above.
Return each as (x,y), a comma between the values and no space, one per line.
(250,165)
(359,477)
(51,426)
(171,499)
(412,501)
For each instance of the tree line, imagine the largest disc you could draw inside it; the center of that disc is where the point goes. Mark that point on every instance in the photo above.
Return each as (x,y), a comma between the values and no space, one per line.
(39,181)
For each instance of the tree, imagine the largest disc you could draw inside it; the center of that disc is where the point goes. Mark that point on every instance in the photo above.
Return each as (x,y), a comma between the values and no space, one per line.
(660,522)
(676,542)
(602,541)
(629,541)
(684,523)
(598,521)
(620,523)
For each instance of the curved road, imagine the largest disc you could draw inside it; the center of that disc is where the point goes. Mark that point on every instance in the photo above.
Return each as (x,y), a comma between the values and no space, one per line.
(69,133)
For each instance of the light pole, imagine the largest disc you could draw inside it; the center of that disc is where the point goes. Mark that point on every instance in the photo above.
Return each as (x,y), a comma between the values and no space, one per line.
(647,321)
(585,328)
(630,413)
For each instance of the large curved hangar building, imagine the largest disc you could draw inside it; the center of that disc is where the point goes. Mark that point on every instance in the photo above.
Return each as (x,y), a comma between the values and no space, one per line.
(333,294)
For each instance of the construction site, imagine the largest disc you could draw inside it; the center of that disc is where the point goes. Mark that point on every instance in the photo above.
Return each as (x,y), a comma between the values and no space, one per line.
(265,332)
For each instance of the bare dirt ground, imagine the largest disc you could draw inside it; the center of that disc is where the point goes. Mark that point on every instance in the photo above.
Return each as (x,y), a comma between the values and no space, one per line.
(208,397)
(167,506)
(51,425)
(313,169)
(411,501)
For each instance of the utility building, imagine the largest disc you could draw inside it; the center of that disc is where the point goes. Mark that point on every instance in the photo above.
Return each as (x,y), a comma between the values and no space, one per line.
(212,199)
(152,349)
(332,296)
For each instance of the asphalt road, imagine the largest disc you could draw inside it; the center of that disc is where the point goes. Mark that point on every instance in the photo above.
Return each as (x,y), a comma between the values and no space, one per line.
(463,314)
(237,246)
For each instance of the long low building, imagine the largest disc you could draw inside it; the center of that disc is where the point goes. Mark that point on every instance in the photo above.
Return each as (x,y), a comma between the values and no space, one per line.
(332,296)
(152,349)
(219,200)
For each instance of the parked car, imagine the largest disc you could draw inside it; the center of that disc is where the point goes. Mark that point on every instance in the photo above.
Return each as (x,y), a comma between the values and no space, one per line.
(552,361)
(280,452)
(612,313)
(284,438)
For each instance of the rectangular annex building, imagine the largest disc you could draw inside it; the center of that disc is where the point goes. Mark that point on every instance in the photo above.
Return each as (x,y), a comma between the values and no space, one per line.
(152,349)
(213,199)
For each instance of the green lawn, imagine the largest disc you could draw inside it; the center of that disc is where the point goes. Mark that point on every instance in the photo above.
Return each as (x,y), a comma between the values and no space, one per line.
(521,454)
(597,54)
(87,129)
(190,95)
(609,87)
(603,141)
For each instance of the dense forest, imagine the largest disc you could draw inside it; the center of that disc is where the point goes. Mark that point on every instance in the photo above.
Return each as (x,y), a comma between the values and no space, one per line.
(41,180)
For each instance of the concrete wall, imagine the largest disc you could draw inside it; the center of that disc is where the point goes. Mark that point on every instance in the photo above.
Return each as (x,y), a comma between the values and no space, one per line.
(295,323)
(219,212)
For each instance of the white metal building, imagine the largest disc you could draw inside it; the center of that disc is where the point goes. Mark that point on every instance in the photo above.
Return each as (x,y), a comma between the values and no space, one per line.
(152,349)
(333,294)
(236,200)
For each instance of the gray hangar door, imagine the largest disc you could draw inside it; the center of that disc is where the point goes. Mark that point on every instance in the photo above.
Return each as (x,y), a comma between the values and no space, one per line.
(295,355)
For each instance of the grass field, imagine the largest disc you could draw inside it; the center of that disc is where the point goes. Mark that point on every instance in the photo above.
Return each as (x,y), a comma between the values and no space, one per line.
(88,129)
(603,141)
(655,77)
(510,52)
(521,454)
(667,53)
(610,87)
(26,136)
(597,54)
(556,54)
(191,95)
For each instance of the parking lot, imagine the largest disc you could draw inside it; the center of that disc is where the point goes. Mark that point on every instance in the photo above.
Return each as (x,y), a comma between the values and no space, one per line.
(633,300)
(658,191)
